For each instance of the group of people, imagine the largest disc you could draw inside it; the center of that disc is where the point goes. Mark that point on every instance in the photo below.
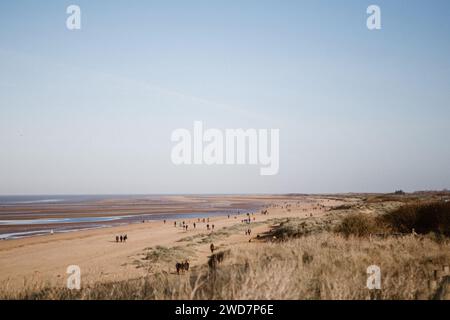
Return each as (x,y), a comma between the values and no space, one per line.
(185,226)
(121,238)
(182,266)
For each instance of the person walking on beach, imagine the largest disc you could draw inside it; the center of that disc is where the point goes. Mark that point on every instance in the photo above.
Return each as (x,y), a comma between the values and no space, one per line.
(207,227)
(121,238)
(117,238)
(174,223)
(211,247)
(125,237)
(194,225)
(212,227)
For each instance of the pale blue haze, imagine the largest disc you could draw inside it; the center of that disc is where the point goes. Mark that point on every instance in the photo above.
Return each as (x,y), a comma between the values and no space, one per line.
(91,111)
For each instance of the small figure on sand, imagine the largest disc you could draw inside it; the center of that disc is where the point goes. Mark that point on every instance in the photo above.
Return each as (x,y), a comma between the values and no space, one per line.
(211,247)
(125,237)
(194,225)
(117,238)
(182,266)
(212,227)
(207,227)
(121,238)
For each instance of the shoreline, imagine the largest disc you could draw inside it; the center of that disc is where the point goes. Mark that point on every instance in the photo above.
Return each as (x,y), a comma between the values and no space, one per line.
(18,221)
(44,259)
(113,221)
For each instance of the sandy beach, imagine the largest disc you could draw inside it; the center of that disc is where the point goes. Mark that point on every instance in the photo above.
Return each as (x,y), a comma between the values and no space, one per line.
(43,259)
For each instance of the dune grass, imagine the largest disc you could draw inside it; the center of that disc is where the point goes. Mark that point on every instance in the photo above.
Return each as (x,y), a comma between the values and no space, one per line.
(321,266)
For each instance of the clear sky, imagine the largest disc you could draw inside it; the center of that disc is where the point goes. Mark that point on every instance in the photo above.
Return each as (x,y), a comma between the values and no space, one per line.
(92,110)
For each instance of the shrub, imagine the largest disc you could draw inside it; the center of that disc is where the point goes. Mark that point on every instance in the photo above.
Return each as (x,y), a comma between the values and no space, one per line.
(424,218)
(359,225)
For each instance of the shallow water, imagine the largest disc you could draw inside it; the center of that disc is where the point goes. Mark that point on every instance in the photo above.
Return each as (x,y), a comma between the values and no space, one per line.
(85,223)
(58,220)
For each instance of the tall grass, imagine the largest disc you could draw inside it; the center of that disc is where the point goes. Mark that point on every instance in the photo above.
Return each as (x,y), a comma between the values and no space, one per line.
(321,266)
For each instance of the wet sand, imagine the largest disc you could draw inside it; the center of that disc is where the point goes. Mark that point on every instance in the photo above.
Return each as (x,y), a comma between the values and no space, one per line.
(17,220)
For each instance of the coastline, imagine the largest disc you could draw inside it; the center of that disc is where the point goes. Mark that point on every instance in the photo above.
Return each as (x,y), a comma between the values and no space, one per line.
(42,217)
(44,259)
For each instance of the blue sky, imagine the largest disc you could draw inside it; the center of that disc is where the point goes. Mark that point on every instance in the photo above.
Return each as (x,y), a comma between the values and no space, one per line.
(91,111)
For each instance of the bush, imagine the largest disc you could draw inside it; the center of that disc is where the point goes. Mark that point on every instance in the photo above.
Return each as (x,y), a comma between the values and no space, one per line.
(359,225)
(423,218)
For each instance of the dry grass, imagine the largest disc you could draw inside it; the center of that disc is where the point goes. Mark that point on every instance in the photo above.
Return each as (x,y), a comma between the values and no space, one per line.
(162,259)
(321,266)
(327,266)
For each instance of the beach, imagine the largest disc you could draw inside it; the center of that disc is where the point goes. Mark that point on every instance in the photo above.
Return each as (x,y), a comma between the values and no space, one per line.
(44,259)
(244,254)
(55,214)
